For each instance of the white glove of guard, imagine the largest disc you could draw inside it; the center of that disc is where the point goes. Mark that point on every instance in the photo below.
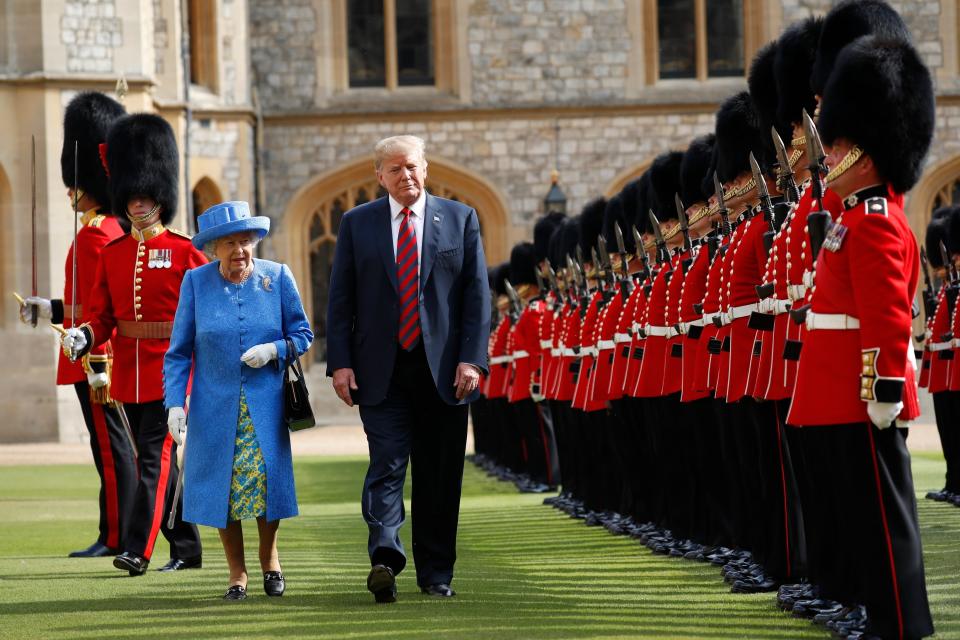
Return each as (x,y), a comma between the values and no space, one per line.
(44,309)
(259,355)
(97,380)
(177,424)
(883,414)
(73,341)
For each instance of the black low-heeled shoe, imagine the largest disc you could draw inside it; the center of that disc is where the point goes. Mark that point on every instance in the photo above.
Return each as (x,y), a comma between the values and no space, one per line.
(236,592)
(273,583)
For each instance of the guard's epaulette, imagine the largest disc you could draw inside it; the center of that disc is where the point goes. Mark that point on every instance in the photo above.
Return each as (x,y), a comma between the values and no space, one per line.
(96,221)
(876,205)
(117,240)
(182,234)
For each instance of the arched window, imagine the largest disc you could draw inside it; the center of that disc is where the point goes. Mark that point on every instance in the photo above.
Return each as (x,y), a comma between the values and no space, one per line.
(949,194)
(308,234)
(205,195)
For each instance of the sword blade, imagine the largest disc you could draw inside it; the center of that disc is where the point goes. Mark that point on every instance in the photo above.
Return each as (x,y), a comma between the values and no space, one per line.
(33,226)
(76,222)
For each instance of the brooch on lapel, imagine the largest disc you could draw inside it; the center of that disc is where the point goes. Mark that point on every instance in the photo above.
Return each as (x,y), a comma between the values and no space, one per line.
(266,283)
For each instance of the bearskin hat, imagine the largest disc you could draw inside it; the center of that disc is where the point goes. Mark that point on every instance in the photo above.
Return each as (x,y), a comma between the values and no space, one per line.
(880,97)
(143,159)
(762,83)
(738,134)
(796,50)
(497,275)
(938,230)
(564,242)
(706,185)
(523,264)
(632,201)
(694,168)
(591,224)
(542,231)
(85,123)
(846,22)
(615,214)
(665,184)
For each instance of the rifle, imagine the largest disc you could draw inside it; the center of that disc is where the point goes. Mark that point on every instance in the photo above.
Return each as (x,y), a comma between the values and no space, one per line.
(785,182)
(766,205)
(516,306)
(663,256)
(626,282)
(684,223)
(929,295)
(817,221)
(725,229)
(608,275)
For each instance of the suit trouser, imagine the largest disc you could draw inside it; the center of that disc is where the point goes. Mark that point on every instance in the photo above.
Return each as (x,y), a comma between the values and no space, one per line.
(414,424)
(157,463)
(116,465)
(946,407)
(871,516)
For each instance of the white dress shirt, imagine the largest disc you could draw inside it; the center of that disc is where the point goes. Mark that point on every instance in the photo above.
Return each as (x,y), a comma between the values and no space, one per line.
(416,217)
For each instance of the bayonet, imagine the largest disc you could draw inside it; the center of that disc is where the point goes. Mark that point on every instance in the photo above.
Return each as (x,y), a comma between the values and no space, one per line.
(515,304)
(621,249)
(644,258)
(538,274)
(765,204)
(721,206)
(604,254)
(947,263)
(929,295)
(818,220)
(785,181)
(663,256)
(684,223)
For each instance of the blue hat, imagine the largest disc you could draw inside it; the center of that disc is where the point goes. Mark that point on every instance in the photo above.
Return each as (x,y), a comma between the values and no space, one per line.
(226,218)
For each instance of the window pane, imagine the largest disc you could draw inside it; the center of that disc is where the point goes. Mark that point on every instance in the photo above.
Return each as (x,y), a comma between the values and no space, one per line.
(365,43)
(724,38)
(414,43)
(677,33)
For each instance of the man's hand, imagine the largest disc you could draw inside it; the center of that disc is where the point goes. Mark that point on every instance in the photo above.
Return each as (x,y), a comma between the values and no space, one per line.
(177,424)
(73,341)
(97,380)
(466,380)
(44,308)
(343,382)
(883,414)
(259,355)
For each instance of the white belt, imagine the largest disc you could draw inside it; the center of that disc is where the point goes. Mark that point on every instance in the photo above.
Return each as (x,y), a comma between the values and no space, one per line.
(621,337)
(742,311)
(636,327)
(831,321)
(796,291)
(520,354)
(941,346)
(546,344)
(569,353)
(588,351)
(556,352)
(606,344)
(956,342)
(780,306)
(708,317)
(808,279)
(499,359)
(685,326)
(650,330)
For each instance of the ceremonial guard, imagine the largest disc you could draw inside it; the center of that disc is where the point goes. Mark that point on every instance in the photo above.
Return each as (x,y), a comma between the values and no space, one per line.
(135,294)
(85,125)
(855,391)
(950,398)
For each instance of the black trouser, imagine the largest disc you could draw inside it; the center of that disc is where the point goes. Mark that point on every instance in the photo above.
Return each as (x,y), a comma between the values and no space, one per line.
(869,513)
(116,465)
(704,468)
(566,456)
(946,407)
(157,462)
(414,423)
(640,476)
(735,512)
(533,441)
(478,415)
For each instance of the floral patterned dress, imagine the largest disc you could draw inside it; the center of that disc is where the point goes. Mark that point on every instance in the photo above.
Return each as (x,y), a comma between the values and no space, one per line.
(248,485)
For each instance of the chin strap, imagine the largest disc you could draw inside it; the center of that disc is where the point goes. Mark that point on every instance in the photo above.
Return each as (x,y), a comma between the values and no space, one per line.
(848,161)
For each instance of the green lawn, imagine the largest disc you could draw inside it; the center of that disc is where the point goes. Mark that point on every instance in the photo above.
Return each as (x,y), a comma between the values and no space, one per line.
(525,571)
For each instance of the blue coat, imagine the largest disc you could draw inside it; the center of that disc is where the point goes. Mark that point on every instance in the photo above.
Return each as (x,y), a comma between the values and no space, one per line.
(363,309)
(214,325)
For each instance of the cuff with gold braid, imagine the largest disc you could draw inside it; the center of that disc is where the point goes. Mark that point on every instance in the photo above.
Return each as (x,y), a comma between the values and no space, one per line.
(877,388)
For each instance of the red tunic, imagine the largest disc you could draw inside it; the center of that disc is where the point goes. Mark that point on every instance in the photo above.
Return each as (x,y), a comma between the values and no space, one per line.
(637,342)
(542,357)
(606,351)
(622,340)
(694,346)
(552,375)
(587,355)
(941,363)
(499,360)
(745,273)
(927,359)
(96,232)
(570,345)
(525,349)
(127,289)
(720,363)
(649,382)
(954,370)
(673,362)
(871,277)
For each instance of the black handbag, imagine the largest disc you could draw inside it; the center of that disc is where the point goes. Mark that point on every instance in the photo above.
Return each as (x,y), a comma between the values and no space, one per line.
(297,412)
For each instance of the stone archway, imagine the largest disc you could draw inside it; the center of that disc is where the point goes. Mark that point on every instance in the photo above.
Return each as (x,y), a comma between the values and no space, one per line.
(936,188)
(205,194)
(308,233)
(625,177)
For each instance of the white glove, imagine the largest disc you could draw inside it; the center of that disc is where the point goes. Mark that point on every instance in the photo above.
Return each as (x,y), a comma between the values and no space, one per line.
(259,355)
(44,309)
(883,414)
(97,380)
(73,341)
(177,424)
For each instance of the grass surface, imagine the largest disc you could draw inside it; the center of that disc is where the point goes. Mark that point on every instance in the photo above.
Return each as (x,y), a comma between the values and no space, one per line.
(525,571)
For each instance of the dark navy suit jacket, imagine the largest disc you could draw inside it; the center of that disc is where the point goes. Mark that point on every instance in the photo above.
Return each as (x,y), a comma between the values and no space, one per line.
(363,310)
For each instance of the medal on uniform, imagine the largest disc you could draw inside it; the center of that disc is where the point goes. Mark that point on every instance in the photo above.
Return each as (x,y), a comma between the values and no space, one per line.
(152,259)
(834,238)
(167,255)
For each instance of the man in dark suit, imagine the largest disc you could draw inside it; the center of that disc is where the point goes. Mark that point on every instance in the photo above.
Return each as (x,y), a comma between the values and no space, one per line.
(407,326)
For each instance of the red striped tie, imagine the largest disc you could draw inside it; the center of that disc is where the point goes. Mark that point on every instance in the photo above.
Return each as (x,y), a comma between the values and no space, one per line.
(409,280)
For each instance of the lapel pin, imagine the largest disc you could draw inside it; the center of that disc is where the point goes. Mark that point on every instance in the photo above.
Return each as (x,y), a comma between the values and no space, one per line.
(436,219)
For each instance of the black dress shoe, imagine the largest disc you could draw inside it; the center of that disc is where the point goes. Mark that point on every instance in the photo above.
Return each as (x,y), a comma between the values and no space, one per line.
(236,592)
(382,583)
(439,590)
(273,583)
(96,550)
(178,564)
(760,584)
(136,565)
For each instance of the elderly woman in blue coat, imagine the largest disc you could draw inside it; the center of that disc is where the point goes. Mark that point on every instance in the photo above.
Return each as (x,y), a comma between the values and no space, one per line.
(233,325)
